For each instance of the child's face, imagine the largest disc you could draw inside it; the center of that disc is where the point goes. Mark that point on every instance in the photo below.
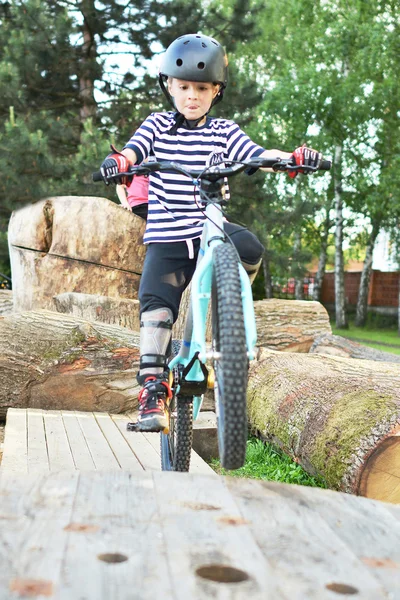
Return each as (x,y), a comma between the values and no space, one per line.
(192,98)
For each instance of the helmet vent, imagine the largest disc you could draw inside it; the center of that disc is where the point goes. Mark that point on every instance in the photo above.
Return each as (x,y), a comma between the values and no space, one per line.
(200,65)
(214,42)
(179,62)
(187,42)
(204,45)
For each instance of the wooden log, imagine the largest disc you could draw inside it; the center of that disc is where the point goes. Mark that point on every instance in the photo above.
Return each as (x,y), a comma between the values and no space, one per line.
(6,302)
(78,244)
(340,419)
(336,345)
(290,325)
(285,325)
(105,309)
(54,361)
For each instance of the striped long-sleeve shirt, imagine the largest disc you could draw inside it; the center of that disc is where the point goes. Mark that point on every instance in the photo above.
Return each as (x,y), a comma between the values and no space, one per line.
(173,213)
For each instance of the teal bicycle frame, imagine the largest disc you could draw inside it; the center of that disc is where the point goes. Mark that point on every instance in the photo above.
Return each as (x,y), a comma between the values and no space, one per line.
(194,338)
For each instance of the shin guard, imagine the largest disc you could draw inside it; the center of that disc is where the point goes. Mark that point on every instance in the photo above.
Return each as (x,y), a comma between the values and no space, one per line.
(155,341)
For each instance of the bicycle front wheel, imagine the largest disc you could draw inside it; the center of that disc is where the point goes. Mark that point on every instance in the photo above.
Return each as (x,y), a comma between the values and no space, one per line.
(176,446)
(231,364)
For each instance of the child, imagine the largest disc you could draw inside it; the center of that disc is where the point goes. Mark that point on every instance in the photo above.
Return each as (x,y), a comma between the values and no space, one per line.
(193,76)
(135,197)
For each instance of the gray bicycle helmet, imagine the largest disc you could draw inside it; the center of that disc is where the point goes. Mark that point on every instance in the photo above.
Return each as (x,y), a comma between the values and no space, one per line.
(195,57)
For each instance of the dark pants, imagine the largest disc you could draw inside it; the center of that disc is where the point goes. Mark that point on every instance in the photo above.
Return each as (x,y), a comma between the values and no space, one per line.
(168,270)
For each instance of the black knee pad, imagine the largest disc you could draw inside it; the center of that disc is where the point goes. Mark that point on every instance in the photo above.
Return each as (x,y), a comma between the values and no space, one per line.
(248,245)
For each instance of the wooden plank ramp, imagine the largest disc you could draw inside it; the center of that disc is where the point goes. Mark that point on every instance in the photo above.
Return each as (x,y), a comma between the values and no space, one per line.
(150,535)
(41,441)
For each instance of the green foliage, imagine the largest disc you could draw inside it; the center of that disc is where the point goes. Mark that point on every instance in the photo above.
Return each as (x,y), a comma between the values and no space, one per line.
(54,131)
(264,461)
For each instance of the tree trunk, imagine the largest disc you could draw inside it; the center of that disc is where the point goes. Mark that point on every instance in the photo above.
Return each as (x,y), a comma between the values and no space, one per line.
(339,418)
(298,292)
(362,301)
(340,299)
(267,276)
(54,361)
(399,311)
(87,63)
(319,277)
(336,345)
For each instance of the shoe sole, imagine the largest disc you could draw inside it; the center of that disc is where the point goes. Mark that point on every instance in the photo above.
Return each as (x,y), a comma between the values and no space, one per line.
(154,424)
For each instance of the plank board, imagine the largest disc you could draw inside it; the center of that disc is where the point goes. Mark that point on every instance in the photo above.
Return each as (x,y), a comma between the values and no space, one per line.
(77,442)
(197,464)
(280,519)
(38,459)
(40,441)
(172,532)
(35,511)
(100,450)
(15,452)
(58,448)
(140,446)
(120,447)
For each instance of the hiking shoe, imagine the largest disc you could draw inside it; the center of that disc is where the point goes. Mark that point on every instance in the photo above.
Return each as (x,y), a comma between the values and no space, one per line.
(152,401)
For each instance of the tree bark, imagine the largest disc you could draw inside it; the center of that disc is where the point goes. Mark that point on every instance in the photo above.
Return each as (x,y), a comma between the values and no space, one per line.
(338,418)
(336,345)
(290,325)
(399,312)
(105,309)
(362,301)
(6,302)
(299,291)
(88,57)
(80,244)
(340,299)
(54,361)
(319,277)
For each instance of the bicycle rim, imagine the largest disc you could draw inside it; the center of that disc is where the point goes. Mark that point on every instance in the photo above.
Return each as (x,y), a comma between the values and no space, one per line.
(229,341)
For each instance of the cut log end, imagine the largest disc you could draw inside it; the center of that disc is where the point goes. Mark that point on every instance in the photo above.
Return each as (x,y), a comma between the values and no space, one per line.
(380,478)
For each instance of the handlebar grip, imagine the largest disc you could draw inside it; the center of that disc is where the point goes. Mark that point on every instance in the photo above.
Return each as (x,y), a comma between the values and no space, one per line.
(97,176)
(325,165)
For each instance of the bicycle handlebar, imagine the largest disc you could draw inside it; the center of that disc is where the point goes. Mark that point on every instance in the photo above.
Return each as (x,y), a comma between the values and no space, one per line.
(214,173)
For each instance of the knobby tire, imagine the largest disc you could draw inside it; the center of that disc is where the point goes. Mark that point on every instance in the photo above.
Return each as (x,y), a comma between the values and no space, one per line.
(231,370)
(176,446)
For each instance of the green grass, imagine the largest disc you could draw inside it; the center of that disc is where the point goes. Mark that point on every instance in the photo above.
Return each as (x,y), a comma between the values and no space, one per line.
(265,461)
(371,336)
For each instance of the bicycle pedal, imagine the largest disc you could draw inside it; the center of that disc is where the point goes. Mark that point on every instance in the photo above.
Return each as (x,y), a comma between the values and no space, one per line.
(132,427)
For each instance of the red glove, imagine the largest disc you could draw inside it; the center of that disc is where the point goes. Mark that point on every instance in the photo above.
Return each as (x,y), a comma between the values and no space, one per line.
(305,156)
(114,164)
